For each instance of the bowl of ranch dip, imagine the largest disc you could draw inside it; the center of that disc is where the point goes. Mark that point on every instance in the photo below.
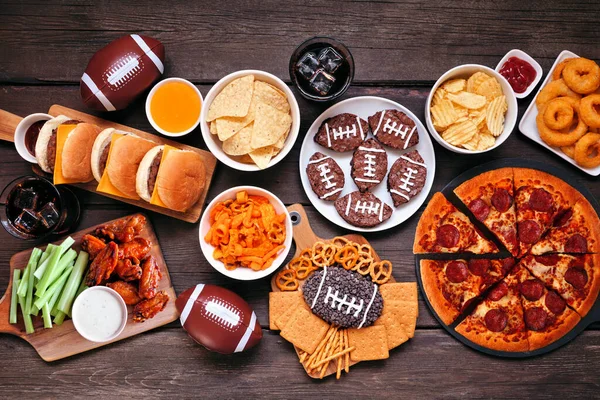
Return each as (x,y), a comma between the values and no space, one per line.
(99,314)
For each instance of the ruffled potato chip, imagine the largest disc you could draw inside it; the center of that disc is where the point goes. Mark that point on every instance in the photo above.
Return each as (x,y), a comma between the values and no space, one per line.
(443,114)
(468,100)
(460,133)
(454,85)
(476,80)
(490,88)
(486,141)
(495,115)
(473,143)
(438,96)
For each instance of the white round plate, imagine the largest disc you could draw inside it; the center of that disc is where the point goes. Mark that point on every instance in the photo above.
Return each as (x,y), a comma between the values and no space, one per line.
(365,107)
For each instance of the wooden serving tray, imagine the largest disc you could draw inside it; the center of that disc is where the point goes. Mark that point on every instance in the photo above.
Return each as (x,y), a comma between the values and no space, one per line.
(64,341)
(9,122)
(305,237)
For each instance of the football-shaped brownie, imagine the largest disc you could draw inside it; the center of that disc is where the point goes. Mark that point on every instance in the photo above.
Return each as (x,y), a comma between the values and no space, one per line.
(218,319)
(344,132)
(363,209)
(407,177)
(121,71)
(325,176)
(369,165)
(394,128)
(343,298)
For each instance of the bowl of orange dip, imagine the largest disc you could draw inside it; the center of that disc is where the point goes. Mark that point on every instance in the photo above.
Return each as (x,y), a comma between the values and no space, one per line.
(173,107)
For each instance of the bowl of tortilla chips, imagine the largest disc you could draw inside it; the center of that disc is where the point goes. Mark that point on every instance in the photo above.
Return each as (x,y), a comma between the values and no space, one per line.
(250,120)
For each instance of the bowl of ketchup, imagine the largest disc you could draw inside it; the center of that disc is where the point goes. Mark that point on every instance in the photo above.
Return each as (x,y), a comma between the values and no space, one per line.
(26,135)
(521,71)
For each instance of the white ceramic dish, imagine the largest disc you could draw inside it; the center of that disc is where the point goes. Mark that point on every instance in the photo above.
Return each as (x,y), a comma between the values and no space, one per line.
(21,130)
(528,126)
(215,145)
(365,107)
(245,274)
(80,314)
(525,57)
(149,114)
(464,71)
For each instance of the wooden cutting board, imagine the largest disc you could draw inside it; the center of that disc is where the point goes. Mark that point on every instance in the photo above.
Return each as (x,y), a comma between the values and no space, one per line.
(305,237)
(64,341)
(9,122)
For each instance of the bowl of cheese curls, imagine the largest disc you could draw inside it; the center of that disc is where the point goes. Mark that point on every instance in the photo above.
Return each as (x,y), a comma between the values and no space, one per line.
(246,233)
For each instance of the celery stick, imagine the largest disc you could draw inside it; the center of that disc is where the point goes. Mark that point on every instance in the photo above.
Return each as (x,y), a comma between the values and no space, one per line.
(26,316)
(22,290)
(13,298)
(60,317)
(34,310)
(73,283)
(64,246)
(46,253)
(33,260)
(46,316)
(43,284)
(55,287)
(65,261)
(32,265)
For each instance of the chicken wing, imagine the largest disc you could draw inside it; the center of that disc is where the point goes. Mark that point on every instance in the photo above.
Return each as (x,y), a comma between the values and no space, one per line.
(103,265)
(128,270)
(92,245)
(123,230)
(127,291)
(148,308)
(150,277)
(137,248)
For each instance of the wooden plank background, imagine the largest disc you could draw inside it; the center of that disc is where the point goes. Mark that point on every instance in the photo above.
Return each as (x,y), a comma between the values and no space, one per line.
(400,49)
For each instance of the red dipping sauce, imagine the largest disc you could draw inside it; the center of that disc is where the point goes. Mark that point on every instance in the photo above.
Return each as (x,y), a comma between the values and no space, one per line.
(519,73)
(31,136)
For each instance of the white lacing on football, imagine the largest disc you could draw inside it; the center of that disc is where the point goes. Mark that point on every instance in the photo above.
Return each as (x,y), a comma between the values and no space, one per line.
(410,160)
(369,165)
(408,178)
(340,302)
(326,177)
(362,134)
(343,132)
(375,288)
(320,288)
(318,160)
(367,207)
(412,131)
(222,313)
(123,70)
(394,128)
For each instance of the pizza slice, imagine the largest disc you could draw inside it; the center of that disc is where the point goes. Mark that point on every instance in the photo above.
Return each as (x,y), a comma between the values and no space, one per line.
(452,285)
(497,322)
(444,229)
(575,278)
(575,230)
(539,198)
(489,196)
(547,317)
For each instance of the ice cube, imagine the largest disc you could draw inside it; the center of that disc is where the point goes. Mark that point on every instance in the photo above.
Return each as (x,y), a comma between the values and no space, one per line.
(308,65)
(49,215)
(27,221)
(330,59)
(26,198)
(322,82)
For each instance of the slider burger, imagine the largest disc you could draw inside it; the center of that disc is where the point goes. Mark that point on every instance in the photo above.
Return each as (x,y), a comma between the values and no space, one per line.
(171,178)
(115,159)
(64,148)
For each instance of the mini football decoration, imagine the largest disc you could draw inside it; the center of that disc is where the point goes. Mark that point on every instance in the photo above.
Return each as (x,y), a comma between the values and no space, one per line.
(218,319)
(369,165)
(394,128)
(407,177)
(363,209)
(344,132)
(121,71)
(325,176)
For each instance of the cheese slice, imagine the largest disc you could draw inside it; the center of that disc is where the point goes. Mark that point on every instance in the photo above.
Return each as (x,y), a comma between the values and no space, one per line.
(155,198)
(62,133)
(105,185)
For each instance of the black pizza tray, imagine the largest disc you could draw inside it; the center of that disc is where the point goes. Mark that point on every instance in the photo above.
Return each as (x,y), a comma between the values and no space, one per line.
(592,316)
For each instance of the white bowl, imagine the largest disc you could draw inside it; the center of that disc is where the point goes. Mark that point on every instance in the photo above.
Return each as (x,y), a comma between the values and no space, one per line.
(245,274)
(215,145)
(525,57)
(464,71)
(149,114)
(21,130)
(77,314)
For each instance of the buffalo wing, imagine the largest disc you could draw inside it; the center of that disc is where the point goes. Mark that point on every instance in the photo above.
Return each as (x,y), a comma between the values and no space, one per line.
(92,245)
(127,291)
(150,307)
(150,277)
(136,248)
(123,230)
(103,265)
(128,270)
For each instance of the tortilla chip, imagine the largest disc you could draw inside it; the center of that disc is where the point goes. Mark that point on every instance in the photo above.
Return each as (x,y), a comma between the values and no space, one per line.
(212,127)
(270,125)
(234,100)
(262,156)
(272,96)
(229,126)
(281,142)
(239,144)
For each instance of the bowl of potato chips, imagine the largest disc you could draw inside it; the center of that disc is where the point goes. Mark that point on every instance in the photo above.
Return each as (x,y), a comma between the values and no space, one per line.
(471,109)
(250,120)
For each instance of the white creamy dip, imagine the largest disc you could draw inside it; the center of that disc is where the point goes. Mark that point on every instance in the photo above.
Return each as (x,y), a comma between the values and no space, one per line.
(99,314)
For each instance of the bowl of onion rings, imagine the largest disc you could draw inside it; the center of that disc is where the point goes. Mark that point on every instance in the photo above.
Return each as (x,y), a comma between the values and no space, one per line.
(246,233)
(471,109)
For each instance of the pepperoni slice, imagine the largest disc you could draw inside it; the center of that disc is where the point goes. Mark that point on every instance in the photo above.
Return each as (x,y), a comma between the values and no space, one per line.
(548,260)
(507,265)
(541,200)
(496,320)
(479,267)
(510,236)
(576,244)
(498,292)
(532,289)
(529,231)
(563,217)
(555,303)
(577,277)
(448,236)
(456,271)
(502,200)
(480,209)
(535,318)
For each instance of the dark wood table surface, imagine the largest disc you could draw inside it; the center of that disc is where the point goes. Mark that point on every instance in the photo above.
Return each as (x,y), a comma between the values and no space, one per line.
(400,49)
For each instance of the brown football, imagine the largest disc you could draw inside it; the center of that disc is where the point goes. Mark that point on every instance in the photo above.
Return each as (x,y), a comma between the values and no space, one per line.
(121,71)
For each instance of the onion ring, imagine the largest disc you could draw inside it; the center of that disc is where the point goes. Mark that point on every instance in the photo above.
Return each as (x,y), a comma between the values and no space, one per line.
(582,75)
(569,151)
(590,110)
(557,73)
(587,151)
(561,138)
(553,90)
(558,114)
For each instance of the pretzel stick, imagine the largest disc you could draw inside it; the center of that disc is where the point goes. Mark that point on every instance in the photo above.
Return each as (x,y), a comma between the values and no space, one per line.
(338,372)
(320,346)
(302,356)
(322,351)
(331,357)
(328,348)
(347,354)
